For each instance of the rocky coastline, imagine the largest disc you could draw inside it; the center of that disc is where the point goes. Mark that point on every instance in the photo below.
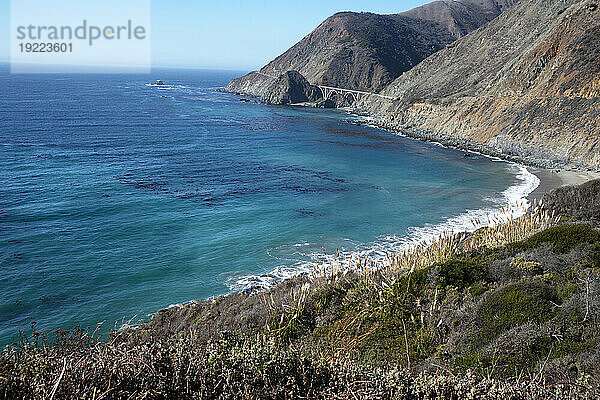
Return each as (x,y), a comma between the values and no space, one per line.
(509,311)
(523,87)
(511,151)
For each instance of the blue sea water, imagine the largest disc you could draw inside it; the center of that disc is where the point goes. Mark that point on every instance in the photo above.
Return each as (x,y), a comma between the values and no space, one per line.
(118,199)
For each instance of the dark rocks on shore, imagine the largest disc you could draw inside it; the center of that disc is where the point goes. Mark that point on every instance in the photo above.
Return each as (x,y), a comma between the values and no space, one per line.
(290,88)
(325,103)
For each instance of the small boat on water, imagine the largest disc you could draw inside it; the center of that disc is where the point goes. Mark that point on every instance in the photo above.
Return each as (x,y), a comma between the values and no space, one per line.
(158,83)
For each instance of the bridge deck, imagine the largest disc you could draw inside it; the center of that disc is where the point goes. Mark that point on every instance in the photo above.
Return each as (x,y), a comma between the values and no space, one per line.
(333,88)
(354,91)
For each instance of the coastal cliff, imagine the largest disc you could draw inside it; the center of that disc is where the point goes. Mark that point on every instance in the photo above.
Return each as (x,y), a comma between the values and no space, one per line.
(526,86)
(366,51)
(290,88)
(517,81)
(511,311)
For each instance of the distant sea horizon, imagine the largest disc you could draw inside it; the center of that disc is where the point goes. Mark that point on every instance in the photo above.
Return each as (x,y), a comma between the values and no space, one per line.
(119,199)
(155,69)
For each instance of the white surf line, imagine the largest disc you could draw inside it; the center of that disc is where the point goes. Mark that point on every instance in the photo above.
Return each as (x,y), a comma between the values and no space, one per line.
(513,205)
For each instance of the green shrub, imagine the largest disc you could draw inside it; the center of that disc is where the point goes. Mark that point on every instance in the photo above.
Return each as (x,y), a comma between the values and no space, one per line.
(416,283)
(460,273)
(566,290)
(478,288)
(514,305)
(531,267)
(506,363)
(561,239)
(595,256)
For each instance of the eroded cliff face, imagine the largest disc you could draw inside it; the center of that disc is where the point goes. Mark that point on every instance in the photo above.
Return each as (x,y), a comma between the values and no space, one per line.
(290,88)
(253,84)
(524,86)
(366,51)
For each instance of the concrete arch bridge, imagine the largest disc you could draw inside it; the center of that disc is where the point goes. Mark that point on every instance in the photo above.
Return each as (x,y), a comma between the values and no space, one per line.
(330,91)
(349,94)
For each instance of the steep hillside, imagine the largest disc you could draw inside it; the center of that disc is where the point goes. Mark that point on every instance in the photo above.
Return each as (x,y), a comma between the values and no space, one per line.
(508,312)
(526,85)
(367,51)
(363,51)
(460,17)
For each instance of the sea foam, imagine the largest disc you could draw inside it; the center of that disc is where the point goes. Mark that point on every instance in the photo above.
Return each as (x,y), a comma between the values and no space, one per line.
(511,203)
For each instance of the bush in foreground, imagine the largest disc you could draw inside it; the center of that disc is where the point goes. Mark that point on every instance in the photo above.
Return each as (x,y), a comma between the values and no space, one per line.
(509,312)
(233,367)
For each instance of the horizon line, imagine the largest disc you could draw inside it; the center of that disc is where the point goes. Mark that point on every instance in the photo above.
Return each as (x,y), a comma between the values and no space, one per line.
(159,66)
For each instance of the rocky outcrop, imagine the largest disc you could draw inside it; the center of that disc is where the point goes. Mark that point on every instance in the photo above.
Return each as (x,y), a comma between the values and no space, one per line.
(290,88)
(325,103)
(366,51)
(526,86)
(253,84)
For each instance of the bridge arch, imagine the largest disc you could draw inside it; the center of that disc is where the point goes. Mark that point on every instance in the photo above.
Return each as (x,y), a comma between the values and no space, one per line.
(352,97)
(348,94)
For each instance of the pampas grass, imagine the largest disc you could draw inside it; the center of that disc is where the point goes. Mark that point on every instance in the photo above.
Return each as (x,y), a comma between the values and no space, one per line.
(507,226)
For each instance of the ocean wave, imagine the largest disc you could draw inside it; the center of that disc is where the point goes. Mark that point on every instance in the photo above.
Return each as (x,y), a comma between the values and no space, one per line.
(511,203)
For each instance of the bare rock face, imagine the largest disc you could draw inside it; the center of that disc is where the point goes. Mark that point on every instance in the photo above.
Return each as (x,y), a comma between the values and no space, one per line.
(290,88)
(366,51)
(325,103)
(253,84)
(527,86)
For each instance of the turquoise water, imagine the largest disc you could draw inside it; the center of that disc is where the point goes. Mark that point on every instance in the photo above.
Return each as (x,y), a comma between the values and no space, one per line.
(118,199)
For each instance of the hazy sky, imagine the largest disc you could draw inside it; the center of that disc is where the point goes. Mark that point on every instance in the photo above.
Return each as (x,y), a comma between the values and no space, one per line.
(237,34)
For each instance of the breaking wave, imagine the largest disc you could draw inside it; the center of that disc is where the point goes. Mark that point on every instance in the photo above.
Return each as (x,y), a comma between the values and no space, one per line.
(510,203)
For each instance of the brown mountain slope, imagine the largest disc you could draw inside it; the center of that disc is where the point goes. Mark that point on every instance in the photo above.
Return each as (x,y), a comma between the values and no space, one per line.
(526,85)
(361,51)
(367,51)
(460,17)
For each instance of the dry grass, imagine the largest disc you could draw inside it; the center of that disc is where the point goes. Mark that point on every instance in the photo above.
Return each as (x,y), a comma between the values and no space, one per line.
(184,364)
(231,367)
(499,230)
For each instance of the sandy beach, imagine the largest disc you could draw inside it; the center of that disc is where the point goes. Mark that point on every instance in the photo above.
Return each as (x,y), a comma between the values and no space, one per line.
(551,179)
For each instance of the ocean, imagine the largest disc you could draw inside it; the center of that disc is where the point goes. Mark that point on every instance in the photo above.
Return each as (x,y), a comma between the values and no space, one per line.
(118,199)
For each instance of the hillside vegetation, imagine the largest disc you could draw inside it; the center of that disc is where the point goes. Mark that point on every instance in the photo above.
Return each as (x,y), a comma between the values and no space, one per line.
(508,312)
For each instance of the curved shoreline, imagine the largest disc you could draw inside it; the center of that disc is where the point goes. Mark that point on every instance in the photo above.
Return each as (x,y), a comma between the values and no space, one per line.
(516,200)
(551,176)
(551,179)
(533,183)
(513,204)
